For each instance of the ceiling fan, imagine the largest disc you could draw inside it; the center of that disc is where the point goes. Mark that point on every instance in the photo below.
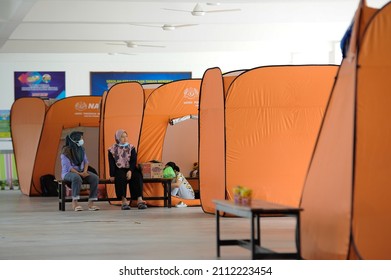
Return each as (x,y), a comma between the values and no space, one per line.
(166,27)
(131,44)
(199,11)
(120,53)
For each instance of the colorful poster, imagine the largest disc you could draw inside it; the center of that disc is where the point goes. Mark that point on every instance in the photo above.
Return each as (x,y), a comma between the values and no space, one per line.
(103,81)
(5,129)
(46,85)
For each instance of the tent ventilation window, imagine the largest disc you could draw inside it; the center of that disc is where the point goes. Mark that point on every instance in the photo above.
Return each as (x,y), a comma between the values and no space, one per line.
(184,118)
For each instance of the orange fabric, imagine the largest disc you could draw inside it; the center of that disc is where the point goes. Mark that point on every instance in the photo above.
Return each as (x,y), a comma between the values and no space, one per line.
(27,118)
(372,191)
(211,140)
(148,89)
(123,108)
(326,234)
(70,112)
(229,78)
(169,101)
(326,199)
(273,116)
(361,19)
(350,167)
(102,155)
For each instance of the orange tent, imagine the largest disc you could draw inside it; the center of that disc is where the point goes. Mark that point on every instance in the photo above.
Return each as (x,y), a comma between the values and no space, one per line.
(39,153)
(122,108)
(135,108)
(65,115)
(99,117)
(211,152)
(169,101)
(27,118)
(273,116)
(263,133)
(347,190)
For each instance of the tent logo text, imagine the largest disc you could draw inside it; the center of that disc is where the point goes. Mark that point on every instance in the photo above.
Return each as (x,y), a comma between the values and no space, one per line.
(81,106)
(190,93)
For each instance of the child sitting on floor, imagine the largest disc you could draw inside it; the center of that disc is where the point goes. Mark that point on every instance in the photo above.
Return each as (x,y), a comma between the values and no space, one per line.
(180,186)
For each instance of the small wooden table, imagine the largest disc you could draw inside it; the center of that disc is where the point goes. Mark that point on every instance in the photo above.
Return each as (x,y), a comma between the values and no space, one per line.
(255,211)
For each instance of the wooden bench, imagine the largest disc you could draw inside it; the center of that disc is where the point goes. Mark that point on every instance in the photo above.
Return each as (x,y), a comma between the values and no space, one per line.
(255,211)
(62,198)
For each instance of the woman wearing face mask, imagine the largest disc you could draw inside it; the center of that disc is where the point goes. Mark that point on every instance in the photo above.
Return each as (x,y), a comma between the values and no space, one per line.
(123,170)
(74,165)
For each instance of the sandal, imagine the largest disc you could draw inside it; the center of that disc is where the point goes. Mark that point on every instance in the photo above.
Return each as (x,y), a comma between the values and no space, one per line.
(125,207)
(93,208)
(142,205)
(78,208)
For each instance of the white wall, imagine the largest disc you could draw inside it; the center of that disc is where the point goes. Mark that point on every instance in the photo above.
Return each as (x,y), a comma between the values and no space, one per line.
(79,66)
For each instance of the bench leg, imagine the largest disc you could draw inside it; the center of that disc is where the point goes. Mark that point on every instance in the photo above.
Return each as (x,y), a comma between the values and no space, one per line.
(169,193)
(165,195)
(61,196)
(298,238)
(218,233)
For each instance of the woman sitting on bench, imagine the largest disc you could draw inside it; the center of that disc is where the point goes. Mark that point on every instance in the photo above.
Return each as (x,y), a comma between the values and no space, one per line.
(74,165)
(123,170)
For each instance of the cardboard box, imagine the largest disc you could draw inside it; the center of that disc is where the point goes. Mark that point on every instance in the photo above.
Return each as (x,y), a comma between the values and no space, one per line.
(152,169)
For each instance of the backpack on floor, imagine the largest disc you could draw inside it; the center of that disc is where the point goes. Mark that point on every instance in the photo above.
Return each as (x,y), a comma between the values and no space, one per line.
(49,186)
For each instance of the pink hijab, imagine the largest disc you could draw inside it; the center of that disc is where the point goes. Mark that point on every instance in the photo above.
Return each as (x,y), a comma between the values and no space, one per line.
(121,153)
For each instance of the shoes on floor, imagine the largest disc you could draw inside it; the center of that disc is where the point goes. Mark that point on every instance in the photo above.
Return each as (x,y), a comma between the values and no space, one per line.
(78,208)
(142,205)
(125,207)
(180,205)
(93,208)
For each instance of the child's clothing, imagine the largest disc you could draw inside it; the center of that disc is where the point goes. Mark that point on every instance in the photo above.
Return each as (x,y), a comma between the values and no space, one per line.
(184,190)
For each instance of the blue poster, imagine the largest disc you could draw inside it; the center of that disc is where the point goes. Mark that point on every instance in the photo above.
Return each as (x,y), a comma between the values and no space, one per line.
(46,85)
(103,81)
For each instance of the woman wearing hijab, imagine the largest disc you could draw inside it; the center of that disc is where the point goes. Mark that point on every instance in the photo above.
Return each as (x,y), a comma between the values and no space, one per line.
(123,171)
(74,165)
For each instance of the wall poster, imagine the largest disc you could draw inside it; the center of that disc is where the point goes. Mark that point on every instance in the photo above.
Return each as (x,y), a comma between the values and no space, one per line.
(103,81)
(43,84)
